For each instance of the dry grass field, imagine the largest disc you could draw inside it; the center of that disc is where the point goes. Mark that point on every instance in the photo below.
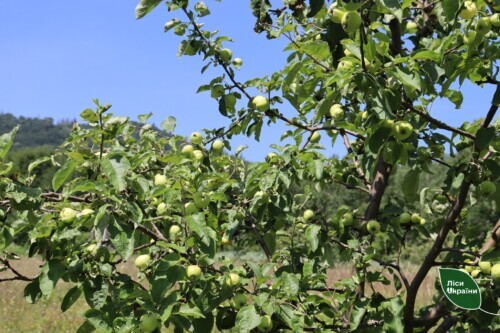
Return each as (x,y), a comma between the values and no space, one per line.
(17,316)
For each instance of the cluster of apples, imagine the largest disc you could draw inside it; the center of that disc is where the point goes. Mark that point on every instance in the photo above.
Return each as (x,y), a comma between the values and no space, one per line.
(196,138)
(68,214)
(350,20)
(483,25)
(414,218)
(483,267)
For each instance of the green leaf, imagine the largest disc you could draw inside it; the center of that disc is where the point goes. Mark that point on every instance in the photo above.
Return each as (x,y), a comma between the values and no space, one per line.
(491,256)
(51,272)
(484,137)
(270,240)
(393,316)
(70,298)
(190,311)
(450,9)
(96,318)
(247,319)
(460,288)
(116,168)
(144,7)
(123,240)
(311,235)
(410,184)
(315,7)
(63,173)
(411,80)
(37,162)
(457,182)
(196,223)
(6,141)
(317,49)
(290,283)
(169,124)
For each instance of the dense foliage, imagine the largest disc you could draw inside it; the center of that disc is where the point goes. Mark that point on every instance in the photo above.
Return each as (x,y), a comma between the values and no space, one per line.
(363,72)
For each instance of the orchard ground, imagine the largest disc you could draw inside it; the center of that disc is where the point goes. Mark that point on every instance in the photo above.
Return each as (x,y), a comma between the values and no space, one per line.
(18,316)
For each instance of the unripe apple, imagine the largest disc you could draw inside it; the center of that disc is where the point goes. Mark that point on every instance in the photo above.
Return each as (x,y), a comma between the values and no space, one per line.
(266,324)
(149,323)
(198,155)
(86,212)
(347,52)
(260,103)
(483,26)
(470,36)
(187,150)
(190,208)
(485,267)
(475,273)
(261,195)
(315,137)
(225,241)
(415,218)
(238,301)
(335,14)
(237,62)
(495,20)
(402,130)
(422,221)
(347,219)
(345,65)
(469,10)
(411,27)
(201,200)
(196,138)
(270,157)
(495,272)
(351,21)
(67,214)
(404,218)
(142,261)
(308,214)
(487,187)
(232,280)
(161,208)
(373,227)
(193,272)
(364,115)
(217,91)
(218,145)
(226,55)
(336,112)
(160,179)
(92,249)
(174,231)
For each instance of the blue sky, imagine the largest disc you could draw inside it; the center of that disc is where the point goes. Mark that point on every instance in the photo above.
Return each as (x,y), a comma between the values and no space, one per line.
(58,55)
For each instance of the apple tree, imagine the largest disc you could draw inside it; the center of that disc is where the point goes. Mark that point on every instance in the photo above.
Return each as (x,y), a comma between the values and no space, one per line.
(364,73)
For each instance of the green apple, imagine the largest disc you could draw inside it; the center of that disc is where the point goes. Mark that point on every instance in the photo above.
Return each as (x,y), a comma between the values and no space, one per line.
(187,150)
(335,14)
(422,221)
(160,179)
(225,241)
(198,155)
(196,138)
(190,208)
(315,137)
(373,227)
(149,323)
(238,301)
(469,268)
(142,261)
(67,214)
(217,91)
(174,231)
(336,112)
(266,324)
(271,157)
(261,195)
(470,36)
(485,267)
(260,103)
(483,26)
(218,145)
(404,218)
(495,272)
(237,62)
(487,187)
(161,208)
(475,273)
(345,65)
(412,27)
(402,130)
(351,21)
(347,219)
(495,20)
(193,272)
(201,200)
(468,11)
(86,212)
(415,218)
(92,249)
(226,55)
(308,214)
(464,270)
(347,53)
(364,115)
(232,280)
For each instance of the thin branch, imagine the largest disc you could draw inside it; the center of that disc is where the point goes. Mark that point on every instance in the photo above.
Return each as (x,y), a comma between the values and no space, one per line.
(453,249)
(360,171)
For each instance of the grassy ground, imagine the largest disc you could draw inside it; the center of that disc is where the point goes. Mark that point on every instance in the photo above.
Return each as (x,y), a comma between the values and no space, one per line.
(17,316)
